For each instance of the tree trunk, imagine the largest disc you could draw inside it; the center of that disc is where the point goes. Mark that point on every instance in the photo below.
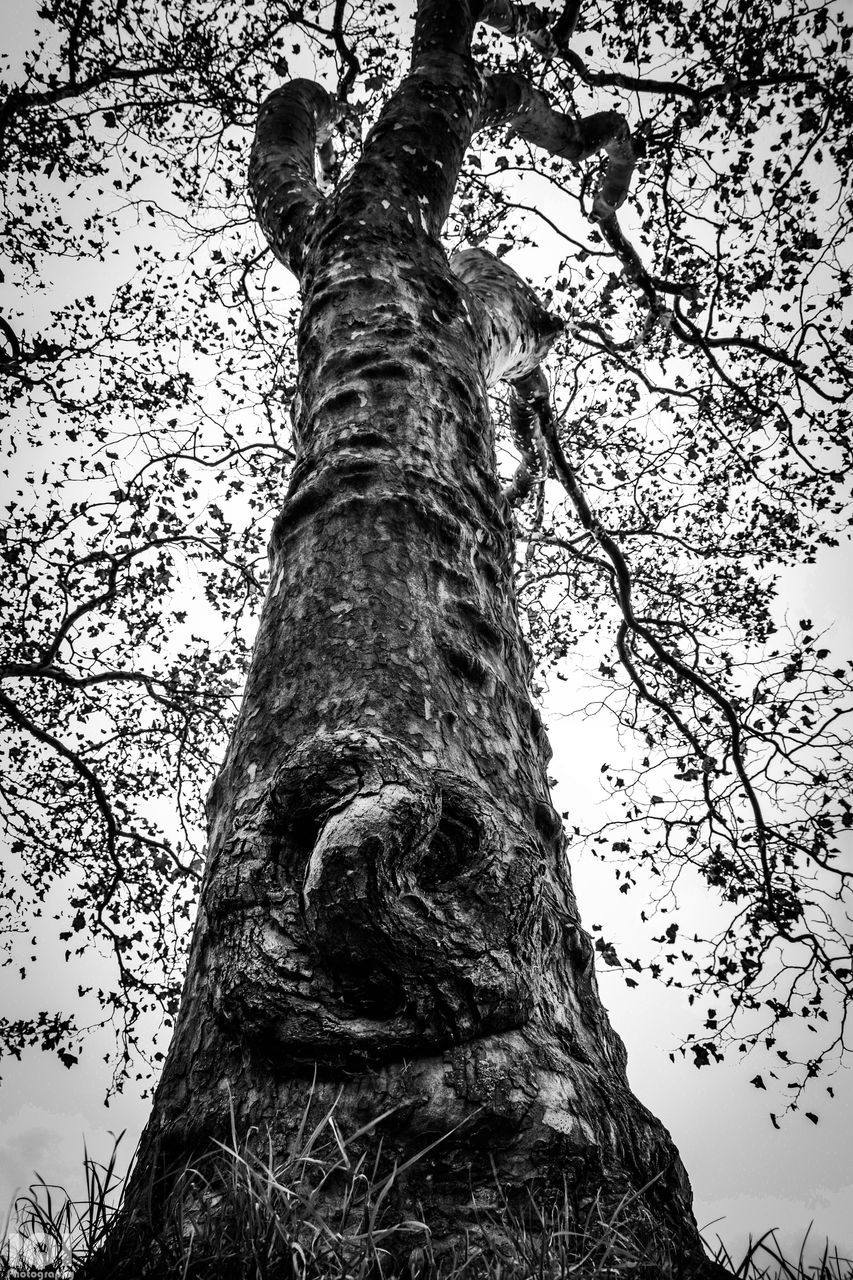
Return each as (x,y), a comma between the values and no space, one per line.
(387,917)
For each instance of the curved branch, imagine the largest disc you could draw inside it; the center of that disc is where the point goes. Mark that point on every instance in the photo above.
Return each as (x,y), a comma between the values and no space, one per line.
(293,123)
(510,99)
(12,338)
(79,765)
(536,388)
(350,63)
(50,652)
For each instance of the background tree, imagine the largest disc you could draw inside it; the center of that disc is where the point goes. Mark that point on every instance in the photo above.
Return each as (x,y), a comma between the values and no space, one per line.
(717,332)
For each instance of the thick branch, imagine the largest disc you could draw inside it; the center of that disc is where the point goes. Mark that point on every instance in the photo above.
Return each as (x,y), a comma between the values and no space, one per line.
(414,151)
(293,122)
(410,160)
(516,330)
(522,21)
(443,28)
(512,100)
(516,334)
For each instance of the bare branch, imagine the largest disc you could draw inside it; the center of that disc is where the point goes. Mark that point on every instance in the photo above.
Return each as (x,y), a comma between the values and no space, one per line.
(552,40)
(350,63)
(12,338)
(535,388)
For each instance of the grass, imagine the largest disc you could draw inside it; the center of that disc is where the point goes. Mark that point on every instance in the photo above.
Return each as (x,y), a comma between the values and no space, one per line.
(324,1213)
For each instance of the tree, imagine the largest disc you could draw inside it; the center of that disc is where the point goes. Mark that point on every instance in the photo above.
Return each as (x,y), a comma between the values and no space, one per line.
(341,854)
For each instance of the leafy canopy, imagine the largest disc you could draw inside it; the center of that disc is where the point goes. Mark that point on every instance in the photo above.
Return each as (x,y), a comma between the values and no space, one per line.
(697,441)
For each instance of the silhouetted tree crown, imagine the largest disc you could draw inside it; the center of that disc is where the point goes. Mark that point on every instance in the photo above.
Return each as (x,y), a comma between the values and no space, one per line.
(674,182)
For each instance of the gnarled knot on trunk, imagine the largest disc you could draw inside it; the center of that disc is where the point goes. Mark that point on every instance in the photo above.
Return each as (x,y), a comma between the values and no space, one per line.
(418,894)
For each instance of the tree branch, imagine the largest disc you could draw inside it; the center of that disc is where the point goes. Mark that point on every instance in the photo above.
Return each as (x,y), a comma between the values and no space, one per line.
(74,40)
(510,99)
(293,122)
(535,389)
(674,88)
(20,99)
(552,39)
(443,29)
(522,21)
(689,333)
(12,338)
(349,62)
(416,148)
(533,465)
(35,671)
(79,766)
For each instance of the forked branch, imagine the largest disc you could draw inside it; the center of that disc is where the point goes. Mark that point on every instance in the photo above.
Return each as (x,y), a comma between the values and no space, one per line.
(510,99)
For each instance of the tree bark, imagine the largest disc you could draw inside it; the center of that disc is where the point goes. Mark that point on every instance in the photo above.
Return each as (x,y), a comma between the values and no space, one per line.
(387,916)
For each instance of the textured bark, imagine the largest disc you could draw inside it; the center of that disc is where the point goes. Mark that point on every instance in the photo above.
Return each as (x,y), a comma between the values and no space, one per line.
(523,21)
(526,425)
(514,330)
(387,910)
(533,23)
(293,124)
